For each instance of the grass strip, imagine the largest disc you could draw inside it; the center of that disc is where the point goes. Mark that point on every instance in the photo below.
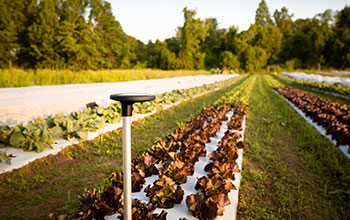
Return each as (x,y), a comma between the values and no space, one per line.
(54,183)
(22,78)
(290,171)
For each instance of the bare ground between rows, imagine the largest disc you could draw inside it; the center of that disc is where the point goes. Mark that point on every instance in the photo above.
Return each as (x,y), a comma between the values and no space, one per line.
(54,183)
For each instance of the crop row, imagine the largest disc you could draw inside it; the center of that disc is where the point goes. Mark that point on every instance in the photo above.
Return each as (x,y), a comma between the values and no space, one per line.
(334,117)
(41,133)
(173,159)
(213,189)
(239,94)
(336,88)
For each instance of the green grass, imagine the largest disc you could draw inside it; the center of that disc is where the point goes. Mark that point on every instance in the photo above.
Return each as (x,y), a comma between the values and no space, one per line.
(21,78)
(290,171)
(54,183)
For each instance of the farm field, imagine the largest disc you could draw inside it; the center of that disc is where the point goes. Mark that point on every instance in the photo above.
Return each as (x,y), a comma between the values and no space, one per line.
(301,172)
(248,111)
(91,162)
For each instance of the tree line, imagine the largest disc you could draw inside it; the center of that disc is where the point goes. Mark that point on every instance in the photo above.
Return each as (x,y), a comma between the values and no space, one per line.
(84,34)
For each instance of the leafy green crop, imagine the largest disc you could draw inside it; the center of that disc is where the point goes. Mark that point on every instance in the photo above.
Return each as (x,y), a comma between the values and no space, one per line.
(238,94)
(96,205)
(143,211)
(176,169)
(204,207)
(337,87)
(163,193)
(41,133)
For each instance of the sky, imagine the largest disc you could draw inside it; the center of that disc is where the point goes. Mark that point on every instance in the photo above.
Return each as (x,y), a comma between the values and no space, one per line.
(158,19)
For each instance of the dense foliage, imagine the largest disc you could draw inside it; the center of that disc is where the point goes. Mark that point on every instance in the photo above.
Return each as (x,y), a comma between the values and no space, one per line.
(84,34)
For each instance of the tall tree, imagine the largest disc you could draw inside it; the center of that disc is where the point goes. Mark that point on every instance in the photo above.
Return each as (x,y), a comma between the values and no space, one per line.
(320,34)
(299,49)
(342,29)
(268,38)
(213,42)
(42,36)
(190,36)
(284,22)
(253,59)
(11,23)
(262,16)
(70,36)
(230,40)
(173,44)
(110,38)
(160,57)
(141,53)
(229,60)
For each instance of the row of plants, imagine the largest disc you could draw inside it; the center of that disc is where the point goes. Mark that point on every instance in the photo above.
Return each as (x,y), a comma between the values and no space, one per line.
(40,133)
(188,154)
(336,88)
(172,159)
(334,117)
(213,189)
(238,94)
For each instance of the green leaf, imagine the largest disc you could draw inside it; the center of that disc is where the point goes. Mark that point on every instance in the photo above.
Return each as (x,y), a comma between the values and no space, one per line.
(5,132)
(99,110)
(50,121)
(56,131)
(83,135)
(37,132)
(40,146)
(70,126)
(3,156)
(46,137)
(17,139)
(99,124)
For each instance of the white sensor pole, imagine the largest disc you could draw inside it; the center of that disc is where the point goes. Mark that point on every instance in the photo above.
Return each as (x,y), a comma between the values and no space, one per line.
(127,100)
(127,184)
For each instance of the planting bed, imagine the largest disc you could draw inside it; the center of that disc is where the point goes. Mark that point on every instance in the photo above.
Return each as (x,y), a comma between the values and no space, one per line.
(337,90)
(341,72)
(85,125)
(332,116)
(319,78)
(194,172)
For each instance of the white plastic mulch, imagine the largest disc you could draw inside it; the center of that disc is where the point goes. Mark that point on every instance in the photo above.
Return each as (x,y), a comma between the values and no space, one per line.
(23,158)
(181,210)
(341,72)
(319,78)
(23,104)
(325,92)
(320,129)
